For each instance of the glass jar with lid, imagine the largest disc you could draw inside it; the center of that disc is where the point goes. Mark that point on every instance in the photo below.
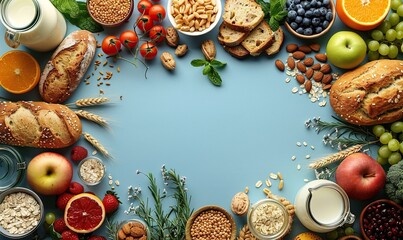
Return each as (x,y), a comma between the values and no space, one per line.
(12,167)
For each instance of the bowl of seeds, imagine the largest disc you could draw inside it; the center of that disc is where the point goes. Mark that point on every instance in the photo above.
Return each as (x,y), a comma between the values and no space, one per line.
(21,213)
(110,13)
(210,222)
(91,170)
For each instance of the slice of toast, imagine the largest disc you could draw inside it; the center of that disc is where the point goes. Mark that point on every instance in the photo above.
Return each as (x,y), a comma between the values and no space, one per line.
(242,15)
(236,51)
(230,37)
(278,41)
(259,39)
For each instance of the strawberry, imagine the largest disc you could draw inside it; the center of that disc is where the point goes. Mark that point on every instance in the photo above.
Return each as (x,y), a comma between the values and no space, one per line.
(76,188)
(78,153)
(59,225)
(69,235)
(95,237)
(62,200)
(111,202)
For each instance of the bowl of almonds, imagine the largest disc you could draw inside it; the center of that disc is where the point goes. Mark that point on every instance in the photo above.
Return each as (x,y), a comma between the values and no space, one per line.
(194,17)
(132,229)
(21,213)
(210,222)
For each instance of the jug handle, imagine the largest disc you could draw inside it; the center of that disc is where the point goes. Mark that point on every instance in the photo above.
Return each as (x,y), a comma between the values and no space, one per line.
(12,39)
(350,218)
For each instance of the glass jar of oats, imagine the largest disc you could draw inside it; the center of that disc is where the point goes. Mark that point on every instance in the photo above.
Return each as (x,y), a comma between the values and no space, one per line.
(91,170)
(268,219)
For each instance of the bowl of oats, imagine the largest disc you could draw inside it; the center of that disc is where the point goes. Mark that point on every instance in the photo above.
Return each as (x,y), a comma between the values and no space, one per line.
(91,170)
(21,213)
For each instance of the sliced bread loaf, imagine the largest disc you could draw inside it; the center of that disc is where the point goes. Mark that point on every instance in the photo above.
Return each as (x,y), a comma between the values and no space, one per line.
(242,15)
(259,39)
(278,41)
(230,37)
(236,51)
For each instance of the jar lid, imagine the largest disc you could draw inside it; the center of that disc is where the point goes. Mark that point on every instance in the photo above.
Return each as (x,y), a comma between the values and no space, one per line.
(12,167)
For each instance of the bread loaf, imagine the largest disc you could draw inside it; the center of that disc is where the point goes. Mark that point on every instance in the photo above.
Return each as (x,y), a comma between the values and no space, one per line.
(259,39)
(242,15)
(67,66)
(38,124)
(230,37)
(371,94)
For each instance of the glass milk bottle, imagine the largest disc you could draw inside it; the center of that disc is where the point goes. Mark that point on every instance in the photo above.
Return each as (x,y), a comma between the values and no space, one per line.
(35,24)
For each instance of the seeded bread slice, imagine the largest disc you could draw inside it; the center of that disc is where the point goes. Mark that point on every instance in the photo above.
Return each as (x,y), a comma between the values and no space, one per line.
(259,39)
(278,41)
(230,37)
(236,51)
(242,15)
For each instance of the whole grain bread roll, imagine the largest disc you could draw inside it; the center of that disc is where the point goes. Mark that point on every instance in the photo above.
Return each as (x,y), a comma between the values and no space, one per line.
(371,94)
(67,66)
(38,124)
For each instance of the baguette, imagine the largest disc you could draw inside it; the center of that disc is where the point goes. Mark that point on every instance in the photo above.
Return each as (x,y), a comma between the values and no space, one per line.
(259,39)
(68,64)
(242,15)
(371,94)
(38,124)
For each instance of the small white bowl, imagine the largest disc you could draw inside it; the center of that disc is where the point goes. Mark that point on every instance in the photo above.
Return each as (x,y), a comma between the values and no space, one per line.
(195,33)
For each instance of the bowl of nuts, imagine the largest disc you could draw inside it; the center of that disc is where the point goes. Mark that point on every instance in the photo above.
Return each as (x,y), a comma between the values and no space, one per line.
(21,213)
(91,170)
(110,13)
(310,19)
(195,17)
(210,222)
(133,229)
(382,219)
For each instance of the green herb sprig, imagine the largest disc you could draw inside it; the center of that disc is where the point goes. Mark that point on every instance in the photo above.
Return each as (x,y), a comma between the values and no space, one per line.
(210,69)
(275,12)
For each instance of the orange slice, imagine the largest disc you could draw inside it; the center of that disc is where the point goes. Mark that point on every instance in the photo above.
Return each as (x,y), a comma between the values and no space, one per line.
(84,213)
(19,71)
(362,15)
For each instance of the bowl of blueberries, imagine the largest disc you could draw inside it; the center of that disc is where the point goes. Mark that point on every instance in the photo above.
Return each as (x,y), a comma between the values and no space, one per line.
(309,19)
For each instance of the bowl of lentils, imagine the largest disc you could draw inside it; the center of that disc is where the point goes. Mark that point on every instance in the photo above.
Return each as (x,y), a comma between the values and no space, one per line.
(110,13)
(308,19)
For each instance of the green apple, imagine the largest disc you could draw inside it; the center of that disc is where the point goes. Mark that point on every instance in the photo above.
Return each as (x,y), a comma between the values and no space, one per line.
(346,49)
(49,173)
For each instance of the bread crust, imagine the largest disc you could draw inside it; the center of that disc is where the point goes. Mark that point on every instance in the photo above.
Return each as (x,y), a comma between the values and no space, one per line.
(242,15)
(229,37)
(259,39)
(67,66)
(371,94)
(38,124)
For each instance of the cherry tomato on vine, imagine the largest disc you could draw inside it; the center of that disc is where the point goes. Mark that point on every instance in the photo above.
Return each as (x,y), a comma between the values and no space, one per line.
(144,6)
(144,23)
(157,34)
(129,39)
(111,45)
(157,13)
(148,50)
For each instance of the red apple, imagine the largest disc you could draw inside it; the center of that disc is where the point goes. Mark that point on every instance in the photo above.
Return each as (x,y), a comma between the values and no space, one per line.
(49,173)
(360,176)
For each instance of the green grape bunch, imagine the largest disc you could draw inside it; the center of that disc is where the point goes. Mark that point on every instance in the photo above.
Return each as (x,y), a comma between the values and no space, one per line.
(391,149)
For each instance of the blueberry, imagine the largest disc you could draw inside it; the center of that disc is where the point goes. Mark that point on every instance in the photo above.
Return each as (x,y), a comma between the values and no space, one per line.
(294,25)
(319,4)
(323,11)
(298,19)
(306,22)
(308,31)
(292,15)
(300,30)
(308,14)
(297,1)
(318,29)
(301,12)
(299,6)
(316,13)
(313,3)
(326,2)
(292,7)
(329,16)
(315,22)
(306,5)
(325,24)
(289,2)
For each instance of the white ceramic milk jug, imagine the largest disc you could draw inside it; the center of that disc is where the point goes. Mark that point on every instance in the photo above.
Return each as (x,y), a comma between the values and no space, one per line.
(35,24)
(322,206)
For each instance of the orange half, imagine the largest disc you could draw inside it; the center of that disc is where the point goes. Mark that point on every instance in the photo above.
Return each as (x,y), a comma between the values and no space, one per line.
(362,15)
(19,72)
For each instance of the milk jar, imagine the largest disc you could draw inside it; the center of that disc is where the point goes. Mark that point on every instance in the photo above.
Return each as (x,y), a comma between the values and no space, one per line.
(35,24)
(322,206)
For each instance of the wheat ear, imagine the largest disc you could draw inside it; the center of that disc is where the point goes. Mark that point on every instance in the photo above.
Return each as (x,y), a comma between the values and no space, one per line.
(324,161)
(86,102)
(92,117)
(94,142)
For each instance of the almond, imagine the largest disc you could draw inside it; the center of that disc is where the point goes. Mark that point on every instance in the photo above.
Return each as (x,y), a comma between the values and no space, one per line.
(326,68)
(308,62)
(126,228)
(292,47)
(321,57)
(309,73)
(317,76)
(291,63)
(301,67)
(304,48)
(300,78)
(298,55)
(327,87)
(327,78)
(315,47)
(121,235)
(316,66)
(308,85)
(280,65)
(137,232)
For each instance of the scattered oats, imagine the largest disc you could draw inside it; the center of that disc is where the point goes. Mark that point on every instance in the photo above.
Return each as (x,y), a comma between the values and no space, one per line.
(118,69)
(314,99)
(110,176)
(287,80)
(107,84)
(246,189)
(113,187)
(268,182)
(111,66)
(280,176)
(106,62)
(110,182)
(322,103)
(98,78)
(281,184)
(305,144)
(273,176)
(299,167)
(306,180)
(294,90)
(117,183)
(94,152)
(298,144)
(308,156)
(293,158)
(258,184)
(313,147)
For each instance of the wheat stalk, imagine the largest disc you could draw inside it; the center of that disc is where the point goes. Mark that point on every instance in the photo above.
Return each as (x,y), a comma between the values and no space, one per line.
(92,117)
(94,142)
(324,161)
(86,102)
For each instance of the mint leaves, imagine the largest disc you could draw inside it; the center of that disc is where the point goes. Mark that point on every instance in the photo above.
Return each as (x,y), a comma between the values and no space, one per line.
(210,69)
(275,12)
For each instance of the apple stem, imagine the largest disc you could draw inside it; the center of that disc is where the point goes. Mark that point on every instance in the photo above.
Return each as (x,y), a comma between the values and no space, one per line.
(369,175)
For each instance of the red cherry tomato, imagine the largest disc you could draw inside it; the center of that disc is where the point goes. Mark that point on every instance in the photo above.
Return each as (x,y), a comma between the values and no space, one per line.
(157,13)
(144,6)
(145,23)
(148,50)
(157,34)
(129,39)
(111,45)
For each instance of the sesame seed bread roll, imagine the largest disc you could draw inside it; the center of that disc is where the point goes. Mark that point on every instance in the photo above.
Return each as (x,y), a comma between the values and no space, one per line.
(67,66)
(371,94)
(38,124)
